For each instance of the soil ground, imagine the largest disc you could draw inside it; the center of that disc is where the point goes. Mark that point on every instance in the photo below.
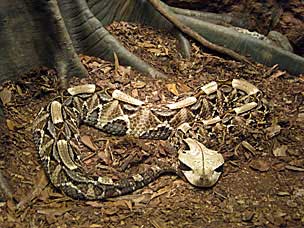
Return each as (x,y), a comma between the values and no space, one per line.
(257,189)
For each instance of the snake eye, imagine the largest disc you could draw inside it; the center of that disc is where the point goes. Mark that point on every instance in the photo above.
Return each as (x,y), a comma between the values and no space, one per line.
(220,169)
(184,167)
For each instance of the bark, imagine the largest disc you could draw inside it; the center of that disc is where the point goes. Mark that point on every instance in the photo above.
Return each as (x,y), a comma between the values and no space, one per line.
(31,36)
(140,11)
(91,38)
(187,30)
(258,50)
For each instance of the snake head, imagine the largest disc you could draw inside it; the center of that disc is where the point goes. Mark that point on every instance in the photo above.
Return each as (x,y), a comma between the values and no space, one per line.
(203,166)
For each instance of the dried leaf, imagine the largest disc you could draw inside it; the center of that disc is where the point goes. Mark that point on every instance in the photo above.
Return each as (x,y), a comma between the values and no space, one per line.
(278,74)
(160,192)
(106,70)
(11,125)
(6,96)
(111,211)
(146,44)
(283,194)
(19,90)
(184,88)
(300,117)
(280,151)
(249,147)
(172,89)
(273,130)
(96,226)
(138,84)
(86,140)
(54,211)
(155,51)
(260,165)
(294,168)
(95,204)
(94,64)
(134,93)
(158,223)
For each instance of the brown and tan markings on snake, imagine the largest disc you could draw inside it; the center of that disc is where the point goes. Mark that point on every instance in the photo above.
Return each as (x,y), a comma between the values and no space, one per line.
(56,133)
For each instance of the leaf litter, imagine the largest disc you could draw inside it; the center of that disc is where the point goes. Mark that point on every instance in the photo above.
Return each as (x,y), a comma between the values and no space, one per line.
(262,177)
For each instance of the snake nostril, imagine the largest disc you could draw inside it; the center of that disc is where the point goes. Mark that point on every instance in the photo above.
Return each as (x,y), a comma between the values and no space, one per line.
(184,167)
(220,169)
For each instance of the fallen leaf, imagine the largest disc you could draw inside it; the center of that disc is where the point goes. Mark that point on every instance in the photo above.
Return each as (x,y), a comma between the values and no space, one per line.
(111,211)
(134,93)
(6,96)
(54,211)
(294,168)
(300,117)
(184,88)
(160,192)
(172,89)
(146,44)
(155,51)
(273,130)
(280,151)
(11,125)
(86,140)
(94,64)
(19,90)
(158,223)
(247,216)
(260,165)
(96,226)
(106,69)
(277,74)
(138,84)
(283,193)
(95,204)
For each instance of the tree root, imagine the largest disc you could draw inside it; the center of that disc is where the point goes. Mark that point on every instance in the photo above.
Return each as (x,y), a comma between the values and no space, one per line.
(140,11)
(187,30)
(66,60)
(91,38)
(247,45)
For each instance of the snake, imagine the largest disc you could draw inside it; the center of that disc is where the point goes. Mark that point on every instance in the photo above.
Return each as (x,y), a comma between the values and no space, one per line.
(185,122)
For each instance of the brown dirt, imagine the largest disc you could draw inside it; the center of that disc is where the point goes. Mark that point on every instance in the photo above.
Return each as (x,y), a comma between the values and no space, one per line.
(256,190)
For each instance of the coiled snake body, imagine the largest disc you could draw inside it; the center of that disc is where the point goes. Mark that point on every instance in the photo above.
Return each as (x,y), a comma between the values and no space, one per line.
(56,133)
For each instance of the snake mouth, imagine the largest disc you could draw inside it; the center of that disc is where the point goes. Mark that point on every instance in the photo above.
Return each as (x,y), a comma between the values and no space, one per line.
(183,167)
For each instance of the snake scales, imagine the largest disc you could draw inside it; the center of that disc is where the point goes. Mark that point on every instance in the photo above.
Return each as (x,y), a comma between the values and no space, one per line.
(183,122)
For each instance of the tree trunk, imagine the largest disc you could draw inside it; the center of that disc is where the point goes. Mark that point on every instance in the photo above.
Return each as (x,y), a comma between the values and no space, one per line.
(32,34)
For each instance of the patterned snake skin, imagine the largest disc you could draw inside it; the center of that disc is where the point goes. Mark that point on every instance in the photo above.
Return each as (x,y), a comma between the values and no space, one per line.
(56,133)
